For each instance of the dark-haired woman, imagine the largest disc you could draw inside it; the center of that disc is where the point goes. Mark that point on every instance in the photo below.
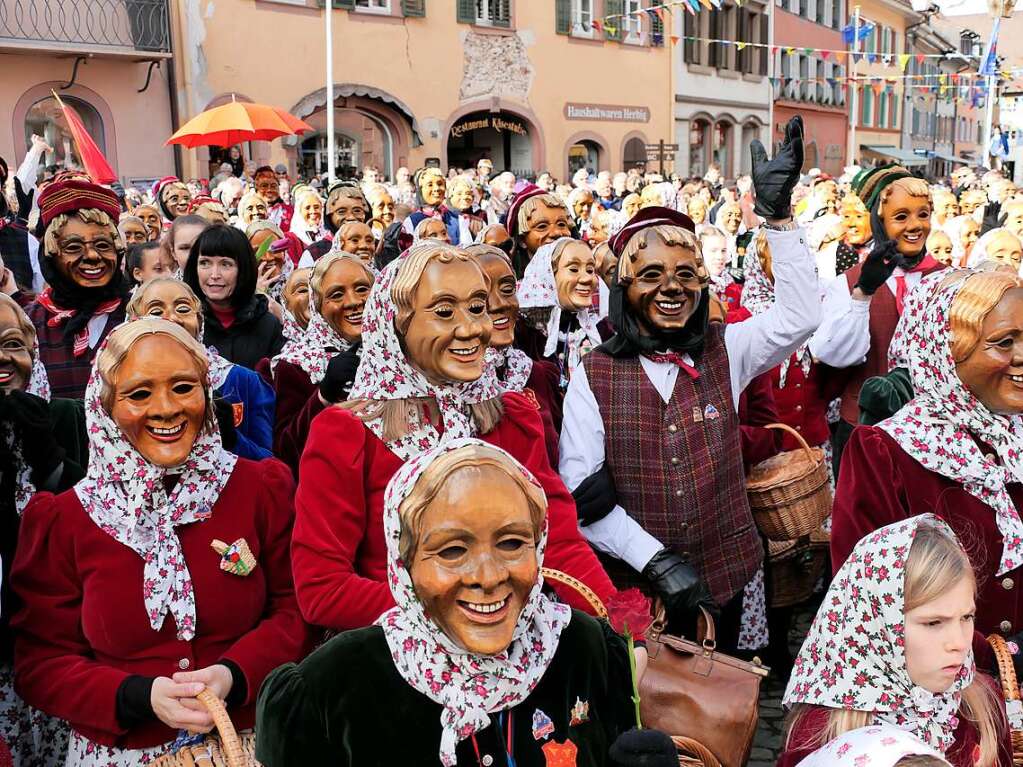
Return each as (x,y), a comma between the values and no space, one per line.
(221,270)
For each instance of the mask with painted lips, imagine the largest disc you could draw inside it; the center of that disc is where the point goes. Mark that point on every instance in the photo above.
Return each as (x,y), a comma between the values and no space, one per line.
(176,198)
(15,351)
(432,187)
(665,290)
(158,400)
(993,371)
(86,253)
(546,224)
(502,301)
(357,239)
(296,296)
(576,276)
(475,563)
(449,329)
(907,220)
(344,291)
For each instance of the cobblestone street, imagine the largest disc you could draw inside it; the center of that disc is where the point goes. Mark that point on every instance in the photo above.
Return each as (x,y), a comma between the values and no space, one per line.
(770,730)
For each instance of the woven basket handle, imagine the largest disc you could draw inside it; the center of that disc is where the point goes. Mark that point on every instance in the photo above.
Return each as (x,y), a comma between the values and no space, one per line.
(794,433)
(694,748)
(1006,671)
(585,591)
(233,752)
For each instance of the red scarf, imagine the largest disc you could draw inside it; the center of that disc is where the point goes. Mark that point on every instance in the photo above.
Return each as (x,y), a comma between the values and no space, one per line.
(901,289)
(676,359)
(60,316)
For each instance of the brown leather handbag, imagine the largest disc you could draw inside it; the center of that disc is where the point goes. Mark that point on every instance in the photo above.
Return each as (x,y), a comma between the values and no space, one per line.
(693,691)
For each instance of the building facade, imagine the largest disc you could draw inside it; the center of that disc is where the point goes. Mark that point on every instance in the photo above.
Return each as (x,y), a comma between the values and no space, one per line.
(810,83)
(534,86)
(108,59)
(722,93)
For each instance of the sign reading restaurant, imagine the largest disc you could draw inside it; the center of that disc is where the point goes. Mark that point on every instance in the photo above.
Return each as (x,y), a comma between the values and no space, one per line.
(497,122)
(607,113)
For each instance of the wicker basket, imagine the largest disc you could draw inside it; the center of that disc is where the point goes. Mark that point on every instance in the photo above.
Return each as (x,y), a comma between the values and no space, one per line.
(691,753)
(1010,690)
(223,750)
(795,567)
(789,494)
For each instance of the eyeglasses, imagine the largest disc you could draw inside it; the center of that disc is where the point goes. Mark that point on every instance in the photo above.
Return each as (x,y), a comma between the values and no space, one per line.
(77,248)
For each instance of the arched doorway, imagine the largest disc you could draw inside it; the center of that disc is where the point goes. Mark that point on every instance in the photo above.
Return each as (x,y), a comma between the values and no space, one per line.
(634,155)
(750,131)
(502,137)
(699,144)
(312,155)
(723,147)
(45,118)
(584,154)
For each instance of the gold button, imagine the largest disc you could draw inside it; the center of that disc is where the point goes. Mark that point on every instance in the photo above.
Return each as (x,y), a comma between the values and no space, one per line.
(1005,627)
(184,663)
(674,461)
(1007,584)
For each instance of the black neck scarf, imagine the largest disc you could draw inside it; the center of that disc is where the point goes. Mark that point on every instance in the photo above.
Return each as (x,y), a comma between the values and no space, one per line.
(67,294)
(629,339)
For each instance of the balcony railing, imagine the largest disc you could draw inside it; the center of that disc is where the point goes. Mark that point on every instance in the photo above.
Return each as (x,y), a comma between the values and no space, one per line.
(86,25)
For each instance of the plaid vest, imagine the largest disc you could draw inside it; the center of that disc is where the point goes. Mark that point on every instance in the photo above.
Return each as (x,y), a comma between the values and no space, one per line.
(678,465)
(884,316)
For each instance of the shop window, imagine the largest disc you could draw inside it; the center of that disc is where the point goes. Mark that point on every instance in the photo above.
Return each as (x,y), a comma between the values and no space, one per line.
(373,6)
(582,18)
(585,154)
(45,118)
(493,13)
(723,147)
(632,23)
(312,159)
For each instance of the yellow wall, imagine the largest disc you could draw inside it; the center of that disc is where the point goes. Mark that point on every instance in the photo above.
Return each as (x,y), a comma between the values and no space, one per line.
(273,52)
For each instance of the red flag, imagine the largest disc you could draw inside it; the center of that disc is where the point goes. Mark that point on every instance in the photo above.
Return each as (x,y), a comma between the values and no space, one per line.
(95,163)
(920,58)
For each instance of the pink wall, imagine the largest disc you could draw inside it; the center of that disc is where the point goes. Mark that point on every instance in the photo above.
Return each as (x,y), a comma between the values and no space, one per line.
(135,124)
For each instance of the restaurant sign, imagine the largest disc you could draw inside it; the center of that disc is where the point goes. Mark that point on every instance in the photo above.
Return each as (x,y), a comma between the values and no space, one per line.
(607,113)
(499,123)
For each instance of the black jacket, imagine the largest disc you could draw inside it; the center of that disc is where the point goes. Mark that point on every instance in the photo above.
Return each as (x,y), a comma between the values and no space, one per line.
(254,334)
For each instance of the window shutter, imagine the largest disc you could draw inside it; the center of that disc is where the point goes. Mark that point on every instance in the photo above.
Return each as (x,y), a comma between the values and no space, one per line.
(466,11)
(656,29)
(563,17)
(690,51)
(413,7)
(503,11)
(342,5)
(614,9)
(763,39)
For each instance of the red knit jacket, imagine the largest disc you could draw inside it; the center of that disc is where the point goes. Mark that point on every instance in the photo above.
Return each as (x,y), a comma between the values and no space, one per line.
(338,550)
(82,628)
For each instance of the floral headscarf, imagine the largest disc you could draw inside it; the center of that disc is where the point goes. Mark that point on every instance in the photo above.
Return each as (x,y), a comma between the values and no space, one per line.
(940,425)
(39,385)
(469,687)
(878,745)
(912,310)
(126,497)
(758,297)
(313,349)
(517,367)
(219,366)
(978,254)
(862,619)
(539,290)
(385,373)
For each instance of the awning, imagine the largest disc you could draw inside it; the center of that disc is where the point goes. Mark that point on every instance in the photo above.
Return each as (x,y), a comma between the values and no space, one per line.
(318,99)
(955,160)
(901,156)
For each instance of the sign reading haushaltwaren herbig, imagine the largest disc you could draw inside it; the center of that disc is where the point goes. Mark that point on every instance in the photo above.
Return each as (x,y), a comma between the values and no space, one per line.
(607,113)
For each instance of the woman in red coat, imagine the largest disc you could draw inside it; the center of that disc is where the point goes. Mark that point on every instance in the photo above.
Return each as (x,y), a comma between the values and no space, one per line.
(317,367)
(422,376)
(956,449)
(165,571)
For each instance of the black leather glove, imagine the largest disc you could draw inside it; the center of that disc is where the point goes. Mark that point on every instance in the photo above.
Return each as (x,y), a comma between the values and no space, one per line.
(774,180)
(24,200)
(596,496)
(643,748)
(877,267)
(681,589)
(224,411)
(340,375)
(29,416)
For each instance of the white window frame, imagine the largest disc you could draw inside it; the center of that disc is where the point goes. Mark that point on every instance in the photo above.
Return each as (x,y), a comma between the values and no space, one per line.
(380,7)
(483,18)
(632,24)
(583,27)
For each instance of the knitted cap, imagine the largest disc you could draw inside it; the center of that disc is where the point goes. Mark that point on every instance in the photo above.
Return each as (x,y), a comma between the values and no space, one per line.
(872,182)
(512,219)
(76,194)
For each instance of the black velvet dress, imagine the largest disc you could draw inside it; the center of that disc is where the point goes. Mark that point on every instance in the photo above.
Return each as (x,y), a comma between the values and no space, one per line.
(347,705)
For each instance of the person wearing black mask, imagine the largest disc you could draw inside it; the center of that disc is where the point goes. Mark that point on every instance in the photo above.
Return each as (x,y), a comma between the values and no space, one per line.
(221,270)
(650,415)
(862,310)
(82,264)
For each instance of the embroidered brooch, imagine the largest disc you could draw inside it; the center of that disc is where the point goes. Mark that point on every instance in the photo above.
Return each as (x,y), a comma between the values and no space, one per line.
(580,712)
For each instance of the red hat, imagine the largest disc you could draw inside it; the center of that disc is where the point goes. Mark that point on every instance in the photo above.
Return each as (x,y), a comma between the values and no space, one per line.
(202,199)
(511,221)
(159,185)
(76,194)
(655,215)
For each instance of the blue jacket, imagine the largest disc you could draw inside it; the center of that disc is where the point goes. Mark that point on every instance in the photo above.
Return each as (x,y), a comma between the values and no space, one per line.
(245,388)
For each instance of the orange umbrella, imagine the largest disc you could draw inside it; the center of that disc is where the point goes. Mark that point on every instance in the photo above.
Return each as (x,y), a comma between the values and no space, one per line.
(239,121)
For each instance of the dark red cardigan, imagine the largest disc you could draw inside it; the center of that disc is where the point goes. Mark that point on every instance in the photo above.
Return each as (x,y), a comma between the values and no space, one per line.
(879,484)
(806,730)
(298,402)
(83,627)
(338,550)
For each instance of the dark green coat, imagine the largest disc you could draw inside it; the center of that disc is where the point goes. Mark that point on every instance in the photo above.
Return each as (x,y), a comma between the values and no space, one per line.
(346,705)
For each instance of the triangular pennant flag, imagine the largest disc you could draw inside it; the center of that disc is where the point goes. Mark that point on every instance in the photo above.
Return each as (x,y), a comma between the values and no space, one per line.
(92,158)
(872,57)
(903,61)
(611,29)
(878,87)
(920,58)
(887,60)
(856,57)
(774,49)
(839,57)
(808,51)
(597,25)
(740,46)
(653,14)
(824,55)
(676,38)
(790,51)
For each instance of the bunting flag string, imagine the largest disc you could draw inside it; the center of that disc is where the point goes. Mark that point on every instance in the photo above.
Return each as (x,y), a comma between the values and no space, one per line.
(901,60)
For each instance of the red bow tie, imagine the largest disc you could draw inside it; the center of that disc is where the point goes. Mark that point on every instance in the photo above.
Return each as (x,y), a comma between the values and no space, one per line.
(675,359)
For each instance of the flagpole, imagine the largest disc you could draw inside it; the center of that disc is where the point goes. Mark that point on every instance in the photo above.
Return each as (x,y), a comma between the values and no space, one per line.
(331,154)
(854,100)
